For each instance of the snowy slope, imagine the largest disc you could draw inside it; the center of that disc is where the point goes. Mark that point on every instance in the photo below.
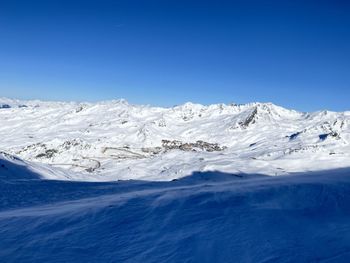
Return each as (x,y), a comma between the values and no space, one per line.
(206,217)
(234,213)
(115,140)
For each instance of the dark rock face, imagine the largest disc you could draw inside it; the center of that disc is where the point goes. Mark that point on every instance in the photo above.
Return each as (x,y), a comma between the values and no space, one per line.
(198,145)
(48,154)
(250,119)
(5,106)
(79,109)
(335,135)
(71,143)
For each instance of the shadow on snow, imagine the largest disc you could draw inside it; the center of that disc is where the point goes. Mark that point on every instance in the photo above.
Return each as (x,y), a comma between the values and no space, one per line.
(205,217)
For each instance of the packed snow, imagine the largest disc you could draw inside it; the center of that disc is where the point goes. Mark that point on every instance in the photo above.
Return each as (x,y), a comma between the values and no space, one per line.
(114,140)
(204,217)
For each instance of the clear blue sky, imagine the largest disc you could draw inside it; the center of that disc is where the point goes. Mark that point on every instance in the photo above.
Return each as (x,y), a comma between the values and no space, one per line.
(292,53)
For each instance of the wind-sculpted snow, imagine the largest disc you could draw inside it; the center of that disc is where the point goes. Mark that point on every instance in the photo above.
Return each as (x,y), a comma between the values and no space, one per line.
(204,217)
(114,140)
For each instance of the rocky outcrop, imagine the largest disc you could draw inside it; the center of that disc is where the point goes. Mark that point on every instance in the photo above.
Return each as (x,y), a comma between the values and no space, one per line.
(47,154)
(250,119)
(5,106)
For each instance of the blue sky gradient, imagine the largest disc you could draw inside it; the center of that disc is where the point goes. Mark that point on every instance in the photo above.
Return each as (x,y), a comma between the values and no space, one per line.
(292,53)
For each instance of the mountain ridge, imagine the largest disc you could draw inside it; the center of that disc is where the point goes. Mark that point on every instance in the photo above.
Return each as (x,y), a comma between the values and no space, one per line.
(114,140)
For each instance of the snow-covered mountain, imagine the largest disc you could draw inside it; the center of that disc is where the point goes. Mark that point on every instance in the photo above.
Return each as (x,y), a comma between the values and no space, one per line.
(221,208)
(115,140)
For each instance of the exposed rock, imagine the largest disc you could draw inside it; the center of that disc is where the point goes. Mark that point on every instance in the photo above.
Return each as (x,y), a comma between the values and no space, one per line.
(68,144)
(32,148)
(250,119)
(308,148)
(79,109)
(335,135)
(162,122)
(5,106)
(74,143)
(48,154)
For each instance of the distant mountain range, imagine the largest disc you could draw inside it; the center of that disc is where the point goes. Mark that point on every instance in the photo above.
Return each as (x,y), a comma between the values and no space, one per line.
(115,140)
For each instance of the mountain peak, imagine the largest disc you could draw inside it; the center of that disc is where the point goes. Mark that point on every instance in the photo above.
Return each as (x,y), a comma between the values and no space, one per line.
(113,139)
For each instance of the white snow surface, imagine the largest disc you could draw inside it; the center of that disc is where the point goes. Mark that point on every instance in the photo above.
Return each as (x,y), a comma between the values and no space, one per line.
(115,140)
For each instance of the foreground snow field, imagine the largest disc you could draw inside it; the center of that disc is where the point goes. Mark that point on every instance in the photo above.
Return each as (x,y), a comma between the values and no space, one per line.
(113,140)
(205,217)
